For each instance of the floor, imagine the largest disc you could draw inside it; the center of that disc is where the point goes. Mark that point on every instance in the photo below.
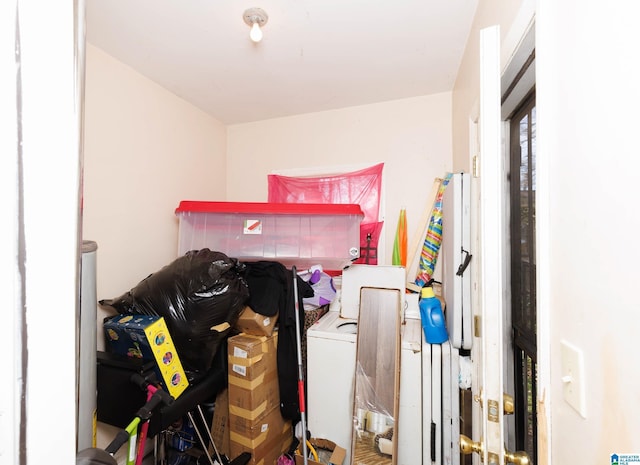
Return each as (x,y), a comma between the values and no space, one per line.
(366,452)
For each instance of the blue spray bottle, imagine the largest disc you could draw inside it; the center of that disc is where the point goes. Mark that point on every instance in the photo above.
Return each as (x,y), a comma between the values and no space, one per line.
(433,324)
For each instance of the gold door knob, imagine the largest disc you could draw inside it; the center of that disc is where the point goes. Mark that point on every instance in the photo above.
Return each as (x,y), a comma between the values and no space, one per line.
(519,458)
(467,446)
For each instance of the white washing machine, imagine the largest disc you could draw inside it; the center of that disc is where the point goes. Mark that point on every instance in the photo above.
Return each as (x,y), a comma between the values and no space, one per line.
(331,362)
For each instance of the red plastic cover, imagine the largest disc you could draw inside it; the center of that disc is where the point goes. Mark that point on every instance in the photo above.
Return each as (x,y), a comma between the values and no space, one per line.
(272,208)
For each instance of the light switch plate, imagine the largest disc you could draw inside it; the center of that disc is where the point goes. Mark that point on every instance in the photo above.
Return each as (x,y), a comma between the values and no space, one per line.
(573,377)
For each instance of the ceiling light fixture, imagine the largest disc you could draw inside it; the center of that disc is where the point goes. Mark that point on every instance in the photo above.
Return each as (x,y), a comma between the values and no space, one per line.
(256,18)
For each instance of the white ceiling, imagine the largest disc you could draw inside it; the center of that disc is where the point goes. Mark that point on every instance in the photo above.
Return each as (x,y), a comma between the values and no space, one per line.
(316,54)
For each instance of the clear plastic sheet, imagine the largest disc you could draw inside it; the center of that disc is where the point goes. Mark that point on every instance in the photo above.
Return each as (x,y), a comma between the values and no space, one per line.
(372,421)
(371,414)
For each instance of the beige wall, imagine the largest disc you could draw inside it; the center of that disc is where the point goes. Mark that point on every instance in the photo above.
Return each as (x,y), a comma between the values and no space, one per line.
(588,96)
(145,150)
(411,136)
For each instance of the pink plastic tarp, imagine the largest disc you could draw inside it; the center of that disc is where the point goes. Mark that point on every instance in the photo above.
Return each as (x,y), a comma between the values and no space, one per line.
(357,187)
(360,187)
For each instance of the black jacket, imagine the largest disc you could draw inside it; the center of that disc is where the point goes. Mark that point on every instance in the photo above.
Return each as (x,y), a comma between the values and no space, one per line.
(271,291)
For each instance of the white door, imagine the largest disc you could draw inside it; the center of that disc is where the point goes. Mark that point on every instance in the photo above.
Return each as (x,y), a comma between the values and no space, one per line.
(40,166)
(488,445)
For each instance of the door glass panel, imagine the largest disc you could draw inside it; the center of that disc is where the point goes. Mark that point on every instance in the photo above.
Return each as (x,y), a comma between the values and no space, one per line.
(523,272)
(530,375)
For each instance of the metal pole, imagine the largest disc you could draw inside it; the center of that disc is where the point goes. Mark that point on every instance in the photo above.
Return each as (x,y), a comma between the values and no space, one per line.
(301,400)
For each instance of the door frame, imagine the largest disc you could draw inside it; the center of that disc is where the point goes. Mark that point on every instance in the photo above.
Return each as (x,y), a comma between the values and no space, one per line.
(523,44)
(516,47)
(41,248)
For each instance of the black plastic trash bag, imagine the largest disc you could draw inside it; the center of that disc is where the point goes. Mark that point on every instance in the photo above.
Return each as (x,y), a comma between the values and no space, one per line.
(200,295)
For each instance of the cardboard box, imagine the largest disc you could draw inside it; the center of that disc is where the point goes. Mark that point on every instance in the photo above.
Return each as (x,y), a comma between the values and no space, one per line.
(337,457)
(269,453)
(256,324)
(249,405)
(147,337)
(265,441)
(220,423)
(249,357)
(255,423)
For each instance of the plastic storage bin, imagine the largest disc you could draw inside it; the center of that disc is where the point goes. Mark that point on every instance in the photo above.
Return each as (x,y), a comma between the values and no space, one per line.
(292,234)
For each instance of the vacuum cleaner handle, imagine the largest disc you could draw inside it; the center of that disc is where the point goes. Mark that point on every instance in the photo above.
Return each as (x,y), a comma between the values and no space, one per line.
(146,385)
(158,397)
(121,438)
(165,397)
(143,414)
(140,381)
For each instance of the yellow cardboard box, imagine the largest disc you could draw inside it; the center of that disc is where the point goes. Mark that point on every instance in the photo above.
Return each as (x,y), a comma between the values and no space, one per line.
(147,337)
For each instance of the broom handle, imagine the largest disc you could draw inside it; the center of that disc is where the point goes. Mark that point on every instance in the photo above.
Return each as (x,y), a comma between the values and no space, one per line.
(301,399)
